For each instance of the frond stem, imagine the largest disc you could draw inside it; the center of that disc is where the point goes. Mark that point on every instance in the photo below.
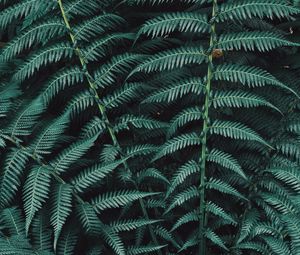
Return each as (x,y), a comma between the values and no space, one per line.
(204,135)
(102,109)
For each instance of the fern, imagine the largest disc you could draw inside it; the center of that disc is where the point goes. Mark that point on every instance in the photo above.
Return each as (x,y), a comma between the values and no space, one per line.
(149,127)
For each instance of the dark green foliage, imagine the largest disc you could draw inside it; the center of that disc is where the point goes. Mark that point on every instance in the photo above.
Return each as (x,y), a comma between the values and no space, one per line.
(149,127)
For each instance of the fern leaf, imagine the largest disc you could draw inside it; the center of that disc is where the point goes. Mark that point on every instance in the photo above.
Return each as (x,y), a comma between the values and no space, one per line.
(294,231)
(172,59)
(108,73)
(23,122)
(212,236)
(11,173)
(127,120)
(189,168)
(60,81)
(256,8)
(121,96)
(99,48)
(176,90)
(151,173)
(21,9)
(192,216)
(12,220)
(60,209)
(44,141)
(186,116)
(170,22)
(88,218)
(219,211)
(183,197)
(94,127)
(225,160)
(118,198)
(93,175)
(236,130)
(39,33)
(178,143)
(71,154)
(248,223)
(82,8)
(97,25)
(262,41)
(132,224)
(52,54)
(223,187)
(144,249)
(239,99)
(36,191)
(67,242)
(113,240)
(290,176)
(41,234)
(277,246)
(248,75)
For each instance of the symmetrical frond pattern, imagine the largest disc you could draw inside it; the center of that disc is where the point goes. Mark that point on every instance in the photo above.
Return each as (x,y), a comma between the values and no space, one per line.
(149,127)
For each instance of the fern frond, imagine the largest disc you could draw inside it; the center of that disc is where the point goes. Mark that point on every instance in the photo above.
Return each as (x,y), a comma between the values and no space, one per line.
(45,140)
(172,59)
(81,7)
(21,9)
(41,234)
(219,211)
(186,218)
(248,223)
(170,22)
(276,245)
(189,168)
(71,154)
(25,119)
(144,249)
(108,73)
(151,173)
(186,116)
(122,95)
(61,208)
(88,218)
(236,98)
(60,81)
(11,174)
(92,175)
(40,33)
(97,25)
(12,220)
(236,130)
(261,41)
(52,54)
(100,48)
(256,8)
(117,199)
(178,143)
(223,187)
(127,120)
(36,191)
(226,160)
(290,176)
(94,127)
(183,197)
(176,90)
(67,241)
(248,75)
(132,224)
(213,237)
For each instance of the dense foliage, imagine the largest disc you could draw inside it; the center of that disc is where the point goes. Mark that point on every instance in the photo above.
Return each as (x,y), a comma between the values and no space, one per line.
(149,127)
